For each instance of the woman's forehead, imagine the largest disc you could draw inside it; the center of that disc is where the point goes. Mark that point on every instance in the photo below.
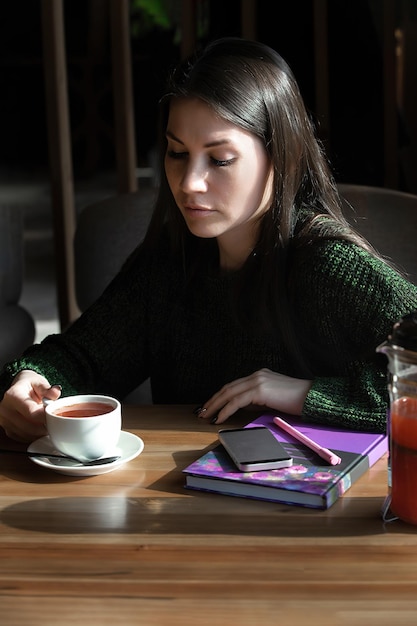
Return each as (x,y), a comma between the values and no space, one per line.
(192,119)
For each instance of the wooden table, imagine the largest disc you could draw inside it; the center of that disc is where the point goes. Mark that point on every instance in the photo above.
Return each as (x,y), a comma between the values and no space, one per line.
(134,547)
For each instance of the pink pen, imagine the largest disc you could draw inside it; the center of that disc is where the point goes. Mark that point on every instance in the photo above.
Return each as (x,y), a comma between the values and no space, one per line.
(324,453)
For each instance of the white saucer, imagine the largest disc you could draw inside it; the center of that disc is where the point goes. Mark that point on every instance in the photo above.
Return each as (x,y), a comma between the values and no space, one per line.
(128,447)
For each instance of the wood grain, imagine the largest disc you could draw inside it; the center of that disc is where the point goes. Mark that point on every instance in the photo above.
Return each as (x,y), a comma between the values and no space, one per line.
(134,547)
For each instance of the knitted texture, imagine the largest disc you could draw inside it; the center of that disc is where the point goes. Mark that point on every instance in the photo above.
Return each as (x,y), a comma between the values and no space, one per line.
(146,324)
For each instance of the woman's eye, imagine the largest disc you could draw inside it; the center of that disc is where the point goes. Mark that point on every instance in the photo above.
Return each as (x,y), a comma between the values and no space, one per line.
(222,162)
(173,154)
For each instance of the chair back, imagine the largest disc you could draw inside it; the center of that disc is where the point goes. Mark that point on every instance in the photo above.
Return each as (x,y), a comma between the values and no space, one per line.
(106,233)
(17,326)
(388,219)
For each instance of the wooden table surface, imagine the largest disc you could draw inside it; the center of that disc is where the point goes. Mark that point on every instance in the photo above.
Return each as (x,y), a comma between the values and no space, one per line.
(133,547)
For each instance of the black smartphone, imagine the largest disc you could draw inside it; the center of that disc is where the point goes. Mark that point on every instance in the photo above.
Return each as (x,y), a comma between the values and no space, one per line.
(254,449)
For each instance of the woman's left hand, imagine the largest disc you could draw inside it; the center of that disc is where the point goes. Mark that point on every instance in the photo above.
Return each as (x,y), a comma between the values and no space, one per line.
(263,388)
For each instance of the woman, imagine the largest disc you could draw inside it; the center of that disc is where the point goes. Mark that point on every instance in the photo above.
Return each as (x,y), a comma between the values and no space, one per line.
(250,288)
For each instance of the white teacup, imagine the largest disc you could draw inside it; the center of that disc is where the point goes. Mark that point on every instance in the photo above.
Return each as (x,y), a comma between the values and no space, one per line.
(86,427)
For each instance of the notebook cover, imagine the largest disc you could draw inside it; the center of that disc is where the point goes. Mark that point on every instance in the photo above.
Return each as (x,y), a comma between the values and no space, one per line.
(309,482)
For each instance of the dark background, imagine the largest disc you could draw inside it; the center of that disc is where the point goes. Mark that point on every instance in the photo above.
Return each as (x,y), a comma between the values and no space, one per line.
(356,81)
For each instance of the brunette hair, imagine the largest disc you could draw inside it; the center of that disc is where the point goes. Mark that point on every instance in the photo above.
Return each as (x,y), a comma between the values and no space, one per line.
(250,85)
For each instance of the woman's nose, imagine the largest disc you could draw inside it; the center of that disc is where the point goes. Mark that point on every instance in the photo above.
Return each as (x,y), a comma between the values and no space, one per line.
(194,179)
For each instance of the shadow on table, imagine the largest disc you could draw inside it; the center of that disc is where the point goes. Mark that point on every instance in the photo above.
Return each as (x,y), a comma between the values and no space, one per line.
(199,514)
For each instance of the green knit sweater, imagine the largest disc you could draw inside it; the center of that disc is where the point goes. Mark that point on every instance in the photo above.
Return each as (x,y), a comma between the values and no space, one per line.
(190,344)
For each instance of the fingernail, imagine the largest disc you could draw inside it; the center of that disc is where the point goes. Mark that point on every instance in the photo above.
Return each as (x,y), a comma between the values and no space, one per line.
(199,411)
(213,420)
(56,387)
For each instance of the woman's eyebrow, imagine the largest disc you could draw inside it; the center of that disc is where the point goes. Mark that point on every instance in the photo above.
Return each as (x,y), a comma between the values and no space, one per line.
(172,136)
(210,144)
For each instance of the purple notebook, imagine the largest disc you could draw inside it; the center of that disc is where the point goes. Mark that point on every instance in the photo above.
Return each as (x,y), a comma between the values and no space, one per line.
(310,481)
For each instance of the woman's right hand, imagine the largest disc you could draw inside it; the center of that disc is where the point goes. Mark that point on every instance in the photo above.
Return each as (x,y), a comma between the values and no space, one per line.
(22,414)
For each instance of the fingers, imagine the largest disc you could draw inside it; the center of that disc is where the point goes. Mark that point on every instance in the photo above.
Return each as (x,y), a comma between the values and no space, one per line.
(52,393)
(22,424)
(24,432)
(263,388)
(236,395)
(22,414)
(28,387)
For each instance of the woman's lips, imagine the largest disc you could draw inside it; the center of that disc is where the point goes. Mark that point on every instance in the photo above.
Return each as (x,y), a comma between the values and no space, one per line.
(197,210)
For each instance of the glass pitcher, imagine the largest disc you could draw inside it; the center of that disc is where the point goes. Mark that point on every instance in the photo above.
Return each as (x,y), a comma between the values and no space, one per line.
(401,350)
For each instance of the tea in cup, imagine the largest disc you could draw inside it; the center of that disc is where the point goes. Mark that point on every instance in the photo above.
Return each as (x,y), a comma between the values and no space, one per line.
(86,427)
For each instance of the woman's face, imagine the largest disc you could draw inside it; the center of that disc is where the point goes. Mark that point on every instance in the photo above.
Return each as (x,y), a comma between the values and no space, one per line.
(219,174)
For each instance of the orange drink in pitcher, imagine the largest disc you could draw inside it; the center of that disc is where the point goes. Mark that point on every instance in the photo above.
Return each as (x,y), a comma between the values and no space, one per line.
(401,350)
(404,458)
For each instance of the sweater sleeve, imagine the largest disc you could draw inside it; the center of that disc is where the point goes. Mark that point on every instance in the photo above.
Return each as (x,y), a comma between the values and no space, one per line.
(105,350)
(359,401)
(357,299)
